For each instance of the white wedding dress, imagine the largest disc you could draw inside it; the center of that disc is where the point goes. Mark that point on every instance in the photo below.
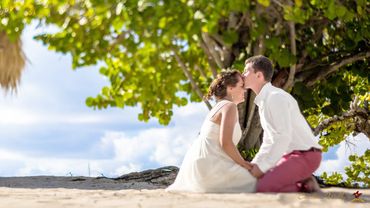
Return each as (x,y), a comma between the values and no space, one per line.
(207,168)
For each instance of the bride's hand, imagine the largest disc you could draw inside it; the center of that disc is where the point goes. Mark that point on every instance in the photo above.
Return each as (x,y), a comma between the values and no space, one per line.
(256,171)
(247,165)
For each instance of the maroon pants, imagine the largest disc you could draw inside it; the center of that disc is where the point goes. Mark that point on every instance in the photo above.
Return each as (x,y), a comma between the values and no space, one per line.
(289,171)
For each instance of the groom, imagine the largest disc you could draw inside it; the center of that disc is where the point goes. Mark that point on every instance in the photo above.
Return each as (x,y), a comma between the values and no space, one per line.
(289,153)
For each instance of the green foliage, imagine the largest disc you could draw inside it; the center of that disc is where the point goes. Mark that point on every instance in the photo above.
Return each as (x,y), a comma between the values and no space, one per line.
(265,3)
(358,173)
(248,155)
(334,179)
(16,14)
(136,41)
(335,134)
(332,96)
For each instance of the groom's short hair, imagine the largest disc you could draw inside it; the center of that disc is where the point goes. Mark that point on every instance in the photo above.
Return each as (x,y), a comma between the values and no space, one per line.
(262,64)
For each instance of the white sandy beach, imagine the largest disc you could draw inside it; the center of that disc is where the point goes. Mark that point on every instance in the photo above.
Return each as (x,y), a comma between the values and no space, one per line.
(71,192)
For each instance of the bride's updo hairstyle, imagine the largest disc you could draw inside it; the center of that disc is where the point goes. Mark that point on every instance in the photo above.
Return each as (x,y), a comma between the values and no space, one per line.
(219,85)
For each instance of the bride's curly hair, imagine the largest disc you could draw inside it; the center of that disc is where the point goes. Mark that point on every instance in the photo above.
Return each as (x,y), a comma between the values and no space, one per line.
(219,85)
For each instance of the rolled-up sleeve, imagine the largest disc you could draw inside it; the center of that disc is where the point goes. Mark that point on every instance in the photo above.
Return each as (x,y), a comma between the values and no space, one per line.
(277,135)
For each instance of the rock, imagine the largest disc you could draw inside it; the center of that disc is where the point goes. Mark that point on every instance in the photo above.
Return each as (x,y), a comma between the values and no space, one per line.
(149,179)
(160,178)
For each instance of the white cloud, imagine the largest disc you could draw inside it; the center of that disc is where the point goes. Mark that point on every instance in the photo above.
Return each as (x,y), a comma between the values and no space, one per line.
(18,164)
(162,145)
(9,155)
(356,145)
(20,116)
(149,148)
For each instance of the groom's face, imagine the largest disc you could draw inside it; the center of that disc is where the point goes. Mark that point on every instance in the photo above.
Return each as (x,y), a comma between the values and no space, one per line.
(249,75)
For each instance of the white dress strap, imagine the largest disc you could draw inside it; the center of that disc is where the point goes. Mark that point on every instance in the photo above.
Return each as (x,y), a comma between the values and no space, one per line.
(217,107)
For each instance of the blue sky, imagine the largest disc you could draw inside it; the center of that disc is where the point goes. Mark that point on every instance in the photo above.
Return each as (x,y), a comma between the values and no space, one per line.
(46,128)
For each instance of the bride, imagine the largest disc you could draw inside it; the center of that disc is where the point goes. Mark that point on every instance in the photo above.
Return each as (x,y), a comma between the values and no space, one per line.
(213,163)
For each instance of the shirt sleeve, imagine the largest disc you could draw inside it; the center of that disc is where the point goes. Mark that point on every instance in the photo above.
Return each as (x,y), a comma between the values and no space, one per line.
(277,135)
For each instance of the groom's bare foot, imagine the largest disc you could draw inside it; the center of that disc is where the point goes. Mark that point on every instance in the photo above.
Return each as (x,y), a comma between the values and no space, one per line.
(310,185)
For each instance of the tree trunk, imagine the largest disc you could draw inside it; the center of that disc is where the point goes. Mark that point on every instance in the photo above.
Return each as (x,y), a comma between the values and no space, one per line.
(250,123)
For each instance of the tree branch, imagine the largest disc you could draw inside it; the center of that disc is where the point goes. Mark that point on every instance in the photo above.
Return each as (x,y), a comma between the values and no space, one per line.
(243,19)
(118,40)
(318,34)
(223,50)
(218,39)
(211,45)
(210,58)
(293,48)
(310,78)
(277,18)
(190,77)
(259,47)
(319,63)
(201,71)
(278,3)
(360,114)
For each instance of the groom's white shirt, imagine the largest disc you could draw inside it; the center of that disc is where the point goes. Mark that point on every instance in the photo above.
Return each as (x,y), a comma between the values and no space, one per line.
(285,128)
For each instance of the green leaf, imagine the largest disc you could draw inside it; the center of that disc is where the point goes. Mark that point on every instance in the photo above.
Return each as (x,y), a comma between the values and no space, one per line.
(331,12)
(89,101)
(298,3)
(117,24)
(273,43)
(264,3)
(230,37)
(352,158)
(340,10)
(162,22)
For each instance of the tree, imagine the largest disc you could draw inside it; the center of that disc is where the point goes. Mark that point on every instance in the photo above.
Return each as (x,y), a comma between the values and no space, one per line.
(161,53)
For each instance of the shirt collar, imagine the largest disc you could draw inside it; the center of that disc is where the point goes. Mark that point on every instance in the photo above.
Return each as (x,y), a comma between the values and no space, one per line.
(263,93)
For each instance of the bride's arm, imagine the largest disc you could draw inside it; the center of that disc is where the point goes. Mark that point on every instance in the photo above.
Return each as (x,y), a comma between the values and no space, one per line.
(227,125)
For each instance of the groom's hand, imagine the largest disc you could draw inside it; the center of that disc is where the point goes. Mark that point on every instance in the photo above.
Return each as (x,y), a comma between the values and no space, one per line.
(256,171)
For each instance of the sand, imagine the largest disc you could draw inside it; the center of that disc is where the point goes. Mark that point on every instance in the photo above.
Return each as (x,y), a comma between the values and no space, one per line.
(71,192)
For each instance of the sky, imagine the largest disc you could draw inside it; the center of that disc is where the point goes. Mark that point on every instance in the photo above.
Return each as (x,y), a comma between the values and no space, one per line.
(46,128)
